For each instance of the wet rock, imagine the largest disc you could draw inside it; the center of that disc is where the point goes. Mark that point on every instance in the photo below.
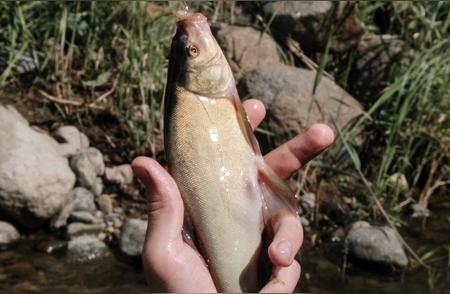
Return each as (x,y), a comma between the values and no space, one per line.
(84,199)
(247,48)
(308,22)
(52,246)
(287,94)
(121,174)
(35,180)
(375,57)
(86,248)
(77,229)
(60,219)
(8,233)
(84,217)
(132,236)
(87,165)
(377,245)
(105,203)
(73,141)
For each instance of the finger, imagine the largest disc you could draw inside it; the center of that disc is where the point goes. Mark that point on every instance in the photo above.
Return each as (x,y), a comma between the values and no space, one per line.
(287,240)
(295,153)
(255,111)
(165,206)
(283,280)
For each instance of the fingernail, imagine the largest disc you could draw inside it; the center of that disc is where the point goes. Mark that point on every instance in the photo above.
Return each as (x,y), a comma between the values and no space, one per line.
(285,249)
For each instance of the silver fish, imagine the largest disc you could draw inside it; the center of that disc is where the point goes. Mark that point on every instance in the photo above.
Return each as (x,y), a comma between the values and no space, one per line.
(213,155)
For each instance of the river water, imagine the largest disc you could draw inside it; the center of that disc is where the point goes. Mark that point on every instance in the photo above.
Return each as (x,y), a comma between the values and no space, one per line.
(28,267)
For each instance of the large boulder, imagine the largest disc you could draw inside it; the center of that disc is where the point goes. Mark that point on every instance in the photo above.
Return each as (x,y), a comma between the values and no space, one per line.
(287,94)
(133,236)
(246,48)
(377,245)
(35,181)
(308,22)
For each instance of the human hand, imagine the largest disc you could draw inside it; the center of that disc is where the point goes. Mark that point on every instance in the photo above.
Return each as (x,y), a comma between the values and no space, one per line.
(170,264)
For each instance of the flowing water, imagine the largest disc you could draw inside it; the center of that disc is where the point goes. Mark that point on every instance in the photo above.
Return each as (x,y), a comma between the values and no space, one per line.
(28,267)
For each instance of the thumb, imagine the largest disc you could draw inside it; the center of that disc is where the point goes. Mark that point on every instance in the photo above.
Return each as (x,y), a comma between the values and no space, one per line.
(165,206)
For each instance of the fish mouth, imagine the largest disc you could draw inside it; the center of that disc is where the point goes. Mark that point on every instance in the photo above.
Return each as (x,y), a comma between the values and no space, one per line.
(185,18)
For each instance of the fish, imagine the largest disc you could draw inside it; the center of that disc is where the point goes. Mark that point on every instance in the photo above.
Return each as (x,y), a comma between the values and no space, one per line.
(228,191)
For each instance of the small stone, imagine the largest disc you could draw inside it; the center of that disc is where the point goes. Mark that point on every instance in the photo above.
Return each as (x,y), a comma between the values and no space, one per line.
(105,203)
(377,245)
(359,224)
(121,174)
(86,248)
(76,229)
(304,221)
(60,220)
(71,135)
(8,233)
(84,217)
(133,236)
(398,180)
(308,202)
(87,165)
(419,211)
(97,189)
(84,199)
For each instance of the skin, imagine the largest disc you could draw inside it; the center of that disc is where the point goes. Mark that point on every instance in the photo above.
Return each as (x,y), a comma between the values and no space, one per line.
(170,264)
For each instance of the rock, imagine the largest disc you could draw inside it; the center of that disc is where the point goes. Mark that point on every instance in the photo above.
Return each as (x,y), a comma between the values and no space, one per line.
(246,48)
(378,245)
(73,140)
(398,180)
(308,22)
(121,174)
(359,224)
(35,180)
(133,236)
(304,221)
(84,217)
(87,165)
(105,203)
(287,94)
(308,202)
(84,199)
(60,219)
(8,233)
(98,186)
(86,248)
(76,229)
(419,210)
(375,57)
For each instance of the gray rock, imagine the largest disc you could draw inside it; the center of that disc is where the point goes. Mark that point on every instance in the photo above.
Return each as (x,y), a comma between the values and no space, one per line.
(84,199)
(378,245)
(287,94)
(84,217)
(86,248)
(105,203)
(87,165)
(132,236)
(121,174)
(246,48)
(308,22)
(60,219)
(419,210)
(35,180)
(98,186)
(77,229)
(8,233)
(71,135)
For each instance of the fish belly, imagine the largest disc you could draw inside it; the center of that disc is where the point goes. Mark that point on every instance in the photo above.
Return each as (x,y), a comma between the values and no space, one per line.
(216,172)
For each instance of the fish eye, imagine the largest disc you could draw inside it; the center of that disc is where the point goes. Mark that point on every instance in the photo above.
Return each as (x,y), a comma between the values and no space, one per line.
(192,51)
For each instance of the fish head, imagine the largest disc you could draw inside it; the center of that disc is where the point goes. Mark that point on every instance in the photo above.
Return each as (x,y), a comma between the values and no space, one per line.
(198,63)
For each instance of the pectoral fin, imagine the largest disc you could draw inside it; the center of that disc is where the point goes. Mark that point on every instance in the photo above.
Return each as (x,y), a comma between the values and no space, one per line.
(277,194)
